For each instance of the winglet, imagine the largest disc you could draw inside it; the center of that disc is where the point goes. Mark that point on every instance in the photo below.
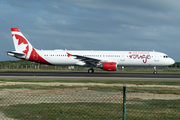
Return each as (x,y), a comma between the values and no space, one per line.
(68,54)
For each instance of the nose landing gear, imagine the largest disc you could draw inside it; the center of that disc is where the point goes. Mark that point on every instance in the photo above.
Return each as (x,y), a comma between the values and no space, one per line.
(155,72)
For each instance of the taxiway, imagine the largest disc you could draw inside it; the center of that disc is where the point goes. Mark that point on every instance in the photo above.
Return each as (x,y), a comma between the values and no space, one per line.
(100,75)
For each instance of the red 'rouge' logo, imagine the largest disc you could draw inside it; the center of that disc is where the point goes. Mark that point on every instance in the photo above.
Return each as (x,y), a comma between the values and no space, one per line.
(144,57)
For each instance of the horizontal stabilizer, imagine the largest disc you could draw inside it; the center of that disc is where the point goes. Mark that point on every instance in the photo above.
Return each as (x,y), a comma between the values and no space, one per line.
(15,53)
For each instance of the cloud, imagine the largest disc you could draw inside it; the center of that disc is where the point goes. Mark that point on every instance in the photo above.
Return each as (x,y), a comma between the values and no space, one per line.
(39,20)
(92,24)
(61,22)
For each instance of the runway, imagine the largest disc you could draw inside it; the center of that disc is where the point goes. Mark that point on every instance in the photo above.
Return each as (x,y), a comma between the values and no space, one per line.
(102,75)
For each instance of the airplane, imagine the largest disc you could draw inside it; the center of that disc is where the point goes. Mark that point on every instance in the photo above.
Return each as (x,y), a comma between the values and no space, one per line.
(106,60)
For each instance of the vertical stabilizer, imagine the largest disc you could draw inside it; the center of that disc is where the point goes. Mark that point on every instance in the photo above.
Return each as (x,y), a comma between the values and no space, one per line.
(21,44)
(23,48)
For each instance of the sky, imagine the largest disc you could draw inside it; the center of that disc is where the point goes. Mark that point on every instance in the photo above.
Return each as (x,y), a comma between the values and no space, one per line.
(120,25)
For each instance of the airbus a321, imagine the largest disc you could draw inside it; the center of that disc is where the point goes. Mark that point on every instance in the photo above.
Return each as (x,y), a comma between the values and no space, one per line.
(106,60)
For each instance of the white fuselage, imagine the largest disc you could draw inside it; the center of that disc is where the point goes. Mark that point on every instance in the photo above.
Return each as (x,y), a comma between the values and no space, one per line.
(122,58)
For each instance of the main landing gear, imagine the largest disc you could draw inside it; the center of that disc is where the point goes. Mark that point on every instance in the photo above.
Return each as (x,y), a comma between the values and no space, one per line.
(155,72)
(91,70)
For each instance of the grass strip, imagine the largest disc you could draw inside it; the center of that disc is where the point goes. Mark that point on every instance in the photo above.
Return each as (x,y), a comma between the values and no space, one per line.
(136,110)
(35,87)
(60,111)
(177,83)
(155,90)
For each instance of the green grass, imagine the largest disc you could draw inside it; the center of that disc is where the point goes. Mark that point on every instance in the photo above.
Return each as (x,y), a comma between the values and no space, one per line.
(105,88)
(61,111)
(136,110)
(35,87)
(153,109)
(155,90)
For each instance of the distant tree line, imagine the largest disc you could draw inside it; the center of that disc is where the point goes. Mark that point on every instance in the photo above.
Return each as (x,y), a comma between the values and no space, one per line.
(177,64)
(23,64)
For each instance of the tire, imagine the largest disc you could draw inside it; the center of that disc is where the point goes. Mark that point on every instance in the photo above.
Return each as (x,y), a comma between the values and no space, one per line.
(154,72)
(90,70)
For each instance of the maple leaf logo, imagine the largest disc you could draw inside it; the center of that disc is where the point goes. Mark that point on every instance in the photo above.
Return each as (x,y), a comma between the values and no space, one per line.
(21,44)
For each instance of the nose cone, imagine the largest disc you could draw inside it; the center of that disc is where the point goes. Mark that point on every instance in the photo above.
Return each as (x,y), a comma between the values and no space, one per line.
(171,61)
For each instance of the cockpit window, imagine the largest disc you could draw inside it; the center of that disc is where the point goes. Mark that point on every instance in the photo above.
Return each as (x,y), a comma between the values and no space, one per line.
(165,56)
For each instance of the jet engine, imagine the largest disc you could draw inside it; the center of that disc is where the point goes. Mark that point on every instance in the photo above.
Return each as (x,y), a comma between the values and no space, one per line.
(109,66)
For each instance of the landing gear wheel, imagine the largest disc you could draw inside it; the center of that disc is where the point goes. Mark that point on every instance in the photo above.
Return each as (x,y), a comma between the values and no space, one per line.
(91,71)
(154,71)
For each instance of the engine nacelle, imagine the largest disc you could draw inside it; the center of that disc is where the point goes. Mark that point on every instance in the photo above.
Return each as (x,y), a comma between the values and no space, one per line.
(109,66)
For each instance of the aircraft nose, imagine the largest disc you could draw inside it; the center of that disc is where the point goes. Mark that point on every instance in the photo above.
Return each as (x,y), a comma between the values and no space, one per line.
(171,61)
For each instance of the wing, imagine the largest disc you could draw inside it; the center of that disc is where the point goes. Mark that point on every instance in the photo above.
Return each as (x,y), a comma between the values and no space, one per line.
(88,60)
